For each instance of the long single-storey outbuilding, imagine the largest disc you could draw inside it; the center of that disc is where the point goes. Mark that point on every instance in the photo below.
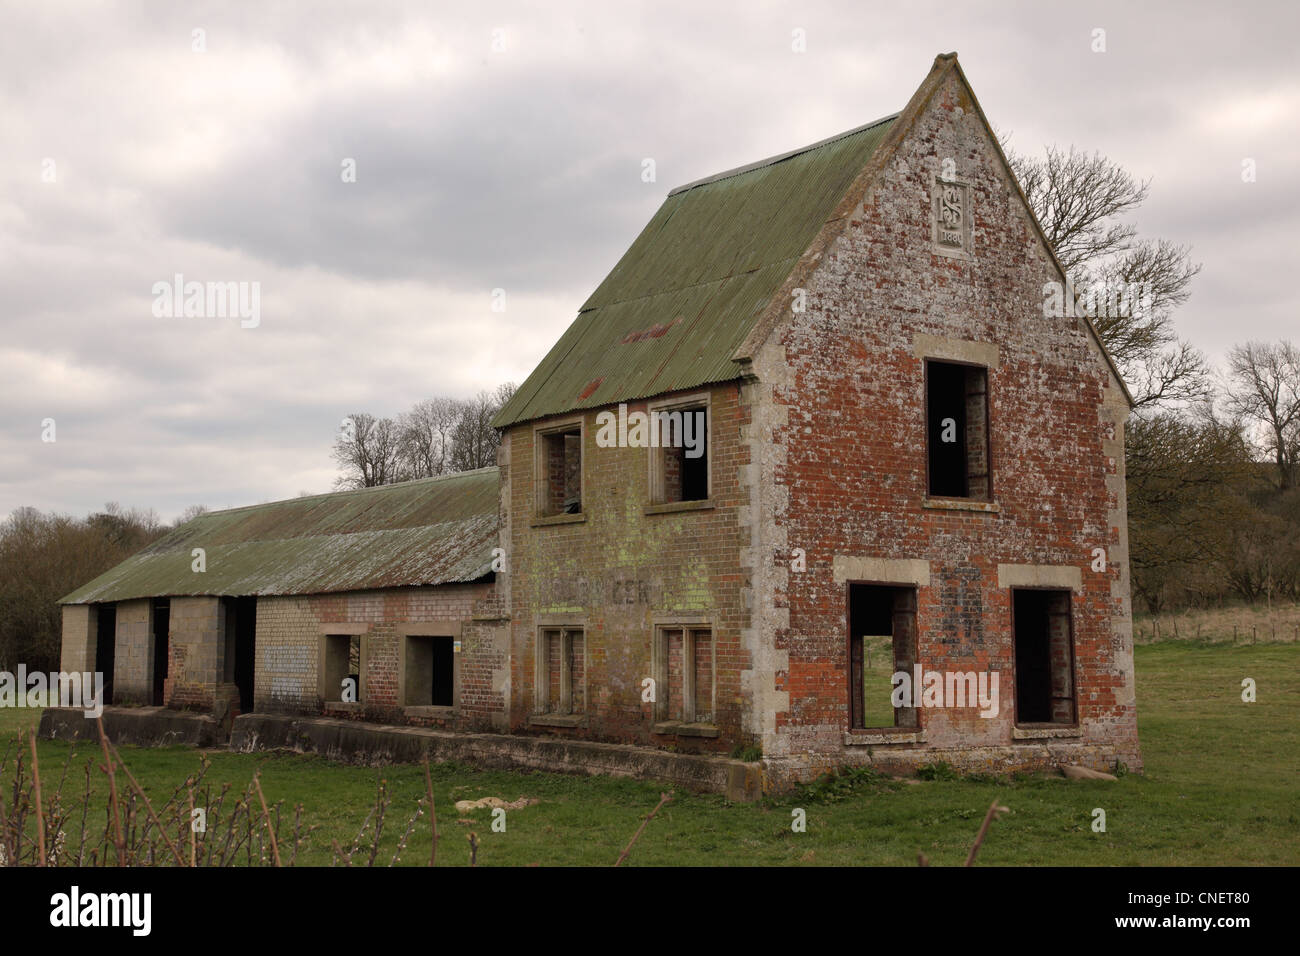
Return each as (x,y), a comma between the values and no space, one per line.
(272,608)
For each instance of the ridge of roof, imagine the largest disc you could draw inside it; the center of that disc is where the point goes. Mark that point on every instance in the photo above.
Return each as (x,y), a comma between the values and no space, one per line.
(346,492)
(780,157)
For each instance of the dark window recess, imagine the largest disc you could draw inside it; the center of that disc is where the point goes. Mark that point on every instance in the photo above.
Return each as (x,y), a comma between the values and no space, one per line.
(162,613)
(430,672)
(1044,657)
(354,662)
(956,401)
(562,459)
(444,664)
(342,662)
(684,478)
(336,666)
(105,639)
(882,641)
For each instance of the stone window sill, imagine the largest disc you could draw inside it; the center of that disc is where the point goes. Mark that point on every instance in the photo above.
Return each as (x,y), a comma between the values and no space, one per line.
(961,504)
(681,729)
(673,507)
(339,707)
(877,738)
(541,521)
(557,720)
(1039,732)
(428,711)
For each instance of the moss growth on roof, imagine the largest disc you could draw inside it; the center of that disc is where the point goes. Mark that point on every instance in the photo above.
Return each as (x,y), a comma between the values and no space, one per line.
(432,531)
(686,294)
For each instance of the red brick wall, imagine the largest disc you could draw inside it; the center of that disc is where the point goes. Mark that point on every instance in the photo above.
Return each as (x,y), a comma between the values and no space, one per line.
(851,475)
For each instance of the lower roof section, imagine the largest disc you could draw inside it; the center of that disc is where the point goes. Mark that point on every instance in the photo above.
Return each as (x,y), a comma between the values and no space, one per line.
(431,531)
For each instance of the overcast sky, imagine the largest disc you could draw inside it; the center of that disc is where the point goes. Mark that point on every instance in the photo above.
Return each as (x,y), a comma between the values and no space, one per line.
(500,146)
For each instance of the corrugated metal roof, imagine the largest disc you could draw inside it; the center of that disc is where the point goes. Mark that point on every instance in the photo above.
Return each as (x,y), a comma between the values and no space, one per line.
(431,531)
(685,295)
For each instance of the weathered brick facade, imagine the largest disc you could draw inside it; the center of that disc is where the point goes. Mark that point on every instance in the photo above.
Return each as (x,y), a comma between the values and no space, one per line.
(290,630)
(633,601)
(195,652)
(840,406)
(133,653)
(819,474)
(623,569)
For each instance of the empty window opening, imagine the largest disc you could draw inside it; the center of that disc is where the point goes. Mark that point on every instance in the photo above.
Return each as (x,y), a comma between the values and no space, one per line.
(430,672)
(241,648)
(957,438)
(561,677)
(686,688)
(561,479)
(342,663)
(162,611)
(882,642)
(682,472)
(1044,657)
(105,641)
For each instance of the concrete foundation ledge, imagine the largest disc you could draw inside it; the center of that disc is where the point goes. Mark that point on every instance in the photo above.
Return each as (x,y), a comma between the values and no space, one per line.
(351,741)
(136,726)
(1037,756)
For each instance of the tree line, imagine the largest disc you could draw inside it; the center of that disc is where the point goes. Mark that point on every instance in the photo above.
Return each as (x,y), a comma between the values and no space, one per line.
(1211,455)
(1213,496)
(438,436)
(45,556)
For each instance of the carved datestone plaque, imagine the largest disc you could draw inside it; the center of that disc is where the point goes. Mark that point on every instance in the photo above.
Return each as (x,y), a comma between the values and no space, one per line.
(952,218)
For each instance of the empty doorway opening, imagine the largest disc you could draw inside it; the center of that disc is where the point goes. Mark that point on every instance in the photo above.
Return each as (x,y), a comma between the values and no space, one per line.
(162,614)
(241,648)
(105,646)
(1044,657)
(882,641)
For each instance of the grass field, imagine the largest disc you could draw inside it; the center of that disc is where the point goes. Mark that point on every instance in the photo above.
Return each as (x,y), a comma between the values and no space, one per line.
(1220,788)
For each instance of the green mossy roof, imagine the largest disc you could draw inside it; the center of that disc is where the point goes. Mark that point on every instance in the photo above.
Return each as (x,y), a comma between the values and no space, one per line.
(431,531)
(686,294)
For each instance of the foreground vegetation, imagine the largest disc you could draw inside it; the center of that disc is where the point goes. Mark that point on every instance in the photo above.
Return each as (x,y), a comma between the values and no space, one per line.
(1219,788)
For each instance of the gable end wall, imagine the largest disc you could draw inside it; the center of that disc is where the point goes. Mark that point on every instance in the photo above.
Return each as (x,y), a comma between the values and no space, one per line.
(842,401)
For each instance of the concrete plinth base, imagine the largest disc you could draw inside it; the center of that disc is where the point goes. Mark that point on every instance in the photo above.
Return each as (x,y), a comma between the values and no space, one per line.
(351,741)
(138,726)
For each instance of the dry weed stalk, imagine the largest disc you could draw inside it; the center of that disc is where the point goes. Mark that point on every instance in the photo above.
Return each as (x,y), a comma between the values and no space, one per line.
(663,798)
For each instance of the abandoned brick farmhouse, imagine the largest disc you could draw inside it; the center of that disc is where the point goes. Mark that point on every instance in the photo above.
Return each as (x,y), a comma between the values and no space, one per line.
(904,465)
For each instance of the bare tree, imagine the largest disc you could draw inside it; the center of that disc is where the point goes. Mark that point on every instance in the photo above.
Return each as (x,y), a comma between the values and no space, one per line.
(1081,200)
(190,513)
(1264,387)
(476,441)
(437,436)
(427,431)
(368,449)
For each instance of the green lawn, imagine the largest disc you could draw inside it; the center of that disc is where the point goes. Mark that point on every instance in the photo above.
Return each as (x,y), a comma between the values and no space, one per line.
(1220,788)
